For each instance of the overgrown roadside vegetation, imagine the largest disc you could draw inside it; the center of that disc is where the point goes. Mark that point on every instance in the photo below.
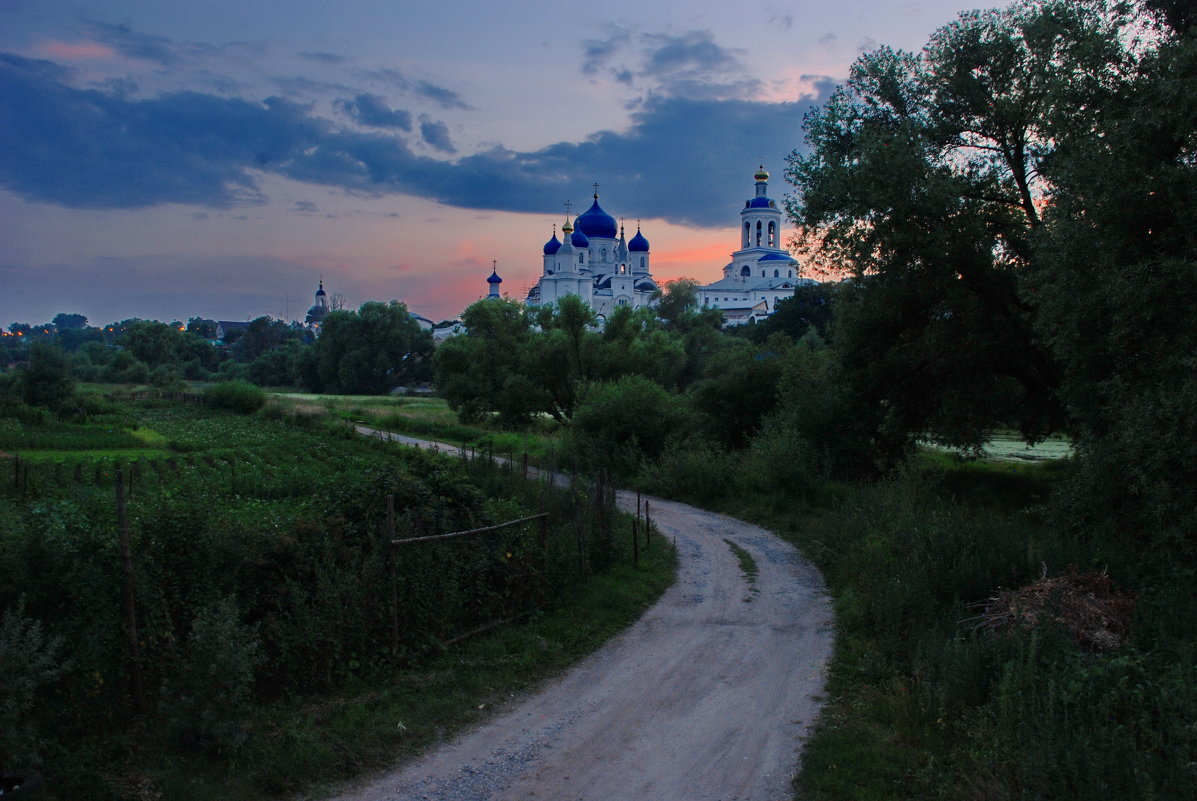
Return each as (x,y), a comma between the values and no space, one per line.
(263,585)
(936,692)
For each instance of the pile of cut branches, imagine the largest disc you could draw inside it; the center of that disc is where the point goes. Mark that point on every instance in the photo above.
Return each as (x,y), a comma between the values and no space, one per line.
(1087,605)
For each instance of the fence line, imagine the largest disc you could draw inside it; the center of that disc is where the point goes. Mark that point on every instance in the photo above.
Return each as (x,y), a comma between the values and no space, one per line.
(484,529)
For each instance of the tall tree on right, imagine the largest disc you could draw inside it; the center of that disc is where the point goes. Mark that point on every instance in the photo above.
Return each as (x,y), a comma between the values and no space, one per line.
(924,177)
(1115,278)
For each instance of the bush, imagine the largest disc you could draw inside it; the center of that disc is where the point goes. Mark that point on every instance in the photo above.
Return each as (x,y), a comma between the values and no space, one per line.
(620,423)
(700,473)
(210,694)
(236,396)
(28,660)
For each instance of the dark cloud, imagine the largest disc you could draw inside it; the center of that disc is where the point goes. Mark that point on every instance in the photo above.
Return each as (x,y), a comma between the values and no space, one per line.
(445,98)
(436,135)
(393,78)
(306,87)
(691,64)
(827,38)
(305,207)
(783,21)
(372,110)
(680,158)
(597,53)
(328,59)
(88,148)
(134,44)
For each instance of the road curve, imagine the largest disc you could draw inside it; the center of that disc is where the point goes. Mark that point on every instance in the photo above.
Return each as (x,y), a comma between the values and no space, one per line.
(706,698)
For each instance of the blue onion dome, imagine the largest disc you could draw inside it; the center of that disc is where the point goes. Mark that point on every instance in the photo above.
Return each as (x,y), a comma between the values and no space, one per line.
(638,244)
(761,173)
(776,257)
(553,245)
(578,239)
(321,291)
(761,202)
(494,277)
(596,222)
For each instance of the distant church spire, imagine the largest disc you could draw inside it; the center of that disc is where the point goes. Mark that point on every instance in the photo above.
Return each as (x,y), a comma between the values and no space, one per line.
(494,279)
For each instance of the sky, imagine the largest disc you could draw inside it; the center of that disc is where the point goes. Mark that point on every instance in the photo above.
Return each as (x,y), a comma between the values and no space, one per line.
(170,160)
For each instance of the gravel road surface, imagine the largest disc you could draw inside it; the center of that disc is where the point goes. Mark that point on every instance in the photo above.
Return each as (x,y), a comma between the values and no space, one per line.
(706,698)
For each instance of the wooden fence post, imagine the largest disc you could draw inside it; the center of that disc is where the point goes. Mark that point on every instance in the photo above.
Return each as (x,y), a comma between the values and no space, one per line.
(648,525)
(122,516)
(393,572)
(635,546)
(544,556)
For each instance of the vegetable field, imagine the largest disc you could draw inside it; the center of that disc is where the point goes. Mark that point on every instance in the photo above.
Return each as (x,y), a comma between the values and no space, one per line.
(259,568)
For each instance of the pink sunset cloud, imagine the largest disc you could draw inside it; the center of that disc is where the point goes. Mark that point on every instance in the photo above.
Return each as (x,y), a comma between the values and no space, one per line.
(74,51)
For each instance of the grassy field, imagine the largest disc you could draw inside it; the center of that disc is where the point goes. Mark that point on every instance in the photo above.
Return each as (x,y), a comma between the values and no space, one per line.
(431,418)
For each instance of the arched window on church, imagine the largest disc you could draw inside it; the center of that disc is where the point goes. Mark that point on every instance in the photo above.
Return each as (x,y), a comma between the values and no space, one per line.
(776,273)
(581,259)
(745,272)
(641,262)
(747,234)
(762,273)
(603,255)
(758,233)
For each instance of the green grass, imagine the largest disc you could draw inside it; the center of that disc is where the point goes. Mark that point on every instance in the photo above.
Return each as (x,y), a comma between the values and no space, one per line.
(748,567)
(431,418)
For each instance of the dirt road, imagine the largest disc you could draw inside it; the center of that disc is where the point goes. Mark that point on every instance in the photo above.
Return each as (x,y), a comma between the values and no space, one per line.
(706,698)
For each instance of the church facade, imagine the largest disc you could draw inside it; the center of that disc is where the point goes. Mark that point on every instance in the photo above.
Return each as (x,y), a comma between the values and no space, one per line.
(594,260)
(761,272)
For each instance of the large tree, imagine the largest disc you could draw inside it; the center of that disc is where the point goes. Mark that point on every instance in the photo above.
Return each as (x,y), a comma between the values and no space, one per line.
(924,177)
(370,351)
(1116,281)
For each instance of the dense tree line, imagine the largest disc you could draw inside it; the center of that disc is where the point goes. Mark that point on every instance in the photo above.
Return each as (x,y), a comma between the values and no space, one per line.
(368,351)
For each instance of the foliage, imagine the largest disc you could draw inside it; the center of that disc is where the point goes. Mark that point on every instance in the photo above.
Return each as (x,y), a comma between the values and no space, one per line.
(44,381)
(677,299)
(29,660)
(205,702)
(618,424)
(1116,282)
(738,390)
(811,307)
(262,336)
(924,176)
(236,396)
(370,351)
(263,572)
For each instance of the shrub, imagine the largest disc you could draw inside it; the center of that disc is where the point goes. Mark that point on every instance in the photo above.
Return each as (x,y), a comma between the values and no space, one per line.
(209,695)
(237,396)
(28,660)
(702,473)
(619,423)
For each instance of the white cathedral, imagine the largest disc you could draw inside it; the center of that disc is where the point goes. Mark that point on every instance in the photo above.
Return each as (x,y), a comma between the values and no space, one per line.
(607,271)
